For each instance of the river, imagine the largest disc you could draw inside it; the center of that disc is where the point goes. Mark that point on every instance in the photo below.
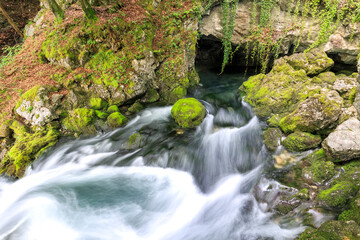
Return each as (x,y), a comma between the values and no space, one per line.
(206,183)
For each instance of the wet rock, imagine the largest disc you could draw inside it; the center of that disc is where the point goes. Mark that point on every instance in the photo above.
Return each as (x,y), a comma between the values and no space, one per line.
(301,141)
(315,113)
(338,195)
(344,143)
(272,138)
(188,112)
(116,119)
(36,107)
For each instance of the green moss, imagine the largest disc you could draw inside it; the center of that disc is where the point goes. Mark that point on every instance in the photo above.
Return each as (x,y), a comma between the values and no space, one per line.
(80,120)
(353,211)
(97,103)
(101,114)
(136,107)
(327,77)
(338,195)
(116,119)
(29,147)
(112,109)
(352,95)
(272,138)
(188,112)
(333,230)
(19,129)
(301,141)
(29,95)
(177,94)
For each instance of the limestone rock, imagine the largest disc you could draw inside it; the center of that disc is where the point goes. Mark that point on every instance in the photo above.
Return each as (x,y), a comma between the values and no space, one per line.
(342,44)
(36,107)
(188,112)
(315,113)
(344,143)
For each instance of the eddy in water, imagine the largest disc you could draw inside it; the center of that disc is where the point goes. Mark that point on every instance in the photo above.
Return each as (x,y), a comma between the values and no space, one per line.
(198,185)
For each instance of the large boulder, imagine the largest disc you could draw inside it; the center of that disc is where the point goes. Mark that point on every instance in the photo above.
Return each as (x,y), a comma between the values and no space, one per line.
(188,112)
(344,143)
(315,113)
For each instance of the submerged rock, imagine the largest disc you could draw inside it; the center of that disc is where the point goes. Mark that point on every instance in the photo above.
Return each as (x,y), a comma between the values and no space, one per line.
(188,112)
(344,143)
(301,141)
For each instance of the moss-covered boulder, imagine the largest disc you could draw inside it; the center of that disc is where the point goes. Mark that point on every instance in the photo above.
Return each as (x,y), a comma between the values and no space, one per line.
(112,109)
(316,113)
(80,120)
(301,141)
(333,230)
(313,62)
(338,195)
(353,211)
(97,103)
(101,115)
(277,92)
(26,149)
(135,108)
(116,119)
(272,138)
(188,112)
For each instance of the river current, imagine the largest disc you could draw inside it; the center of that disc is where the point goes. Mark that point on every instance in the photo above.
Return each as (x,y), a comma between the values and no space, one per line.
(206,183)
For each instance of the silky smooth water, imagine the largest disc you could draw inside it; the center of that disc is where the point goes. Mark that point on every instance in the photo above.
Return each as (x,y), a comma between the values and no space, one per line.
(199,184)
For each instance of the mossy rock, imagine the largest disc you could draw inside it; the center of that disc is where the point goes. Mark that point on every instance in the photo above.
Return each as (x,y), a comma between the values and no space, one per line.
(316,113)
(26,149)
(188,112)
(338,195)
(112,109)
(80,120)
(313,62)
(320,171)
(97,103)
(101,114)
(116,119)
(301,141)
(353,211)
(277,92)
(272,138)
(333,230)
(136,107)
(327,77)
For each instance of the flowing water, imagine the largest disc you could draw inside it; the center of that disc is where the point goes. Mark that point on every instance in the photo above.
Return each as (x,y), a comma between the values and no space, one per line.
(169,184)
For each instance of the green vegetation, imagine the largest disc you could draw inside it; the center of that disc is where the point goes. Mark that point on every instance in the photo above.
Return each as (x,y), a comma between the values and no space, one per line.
(301,141)
(80,120)
(10,52)
(188,112)
(116,120)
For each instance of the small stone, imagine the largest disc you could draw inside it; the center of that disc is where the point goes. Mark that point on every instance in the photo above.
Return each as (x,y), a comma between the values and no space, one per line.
(116,119)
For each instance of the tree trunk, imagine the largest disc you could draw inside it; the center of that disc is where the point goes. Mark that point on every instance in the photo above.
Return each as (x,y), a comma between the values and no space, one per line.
(88,10)
(2,10)
(56,9)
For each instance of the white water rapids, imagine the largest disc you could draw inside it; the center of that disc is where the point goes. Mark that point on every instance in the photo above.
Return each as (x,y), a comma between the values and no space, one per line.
(199,185)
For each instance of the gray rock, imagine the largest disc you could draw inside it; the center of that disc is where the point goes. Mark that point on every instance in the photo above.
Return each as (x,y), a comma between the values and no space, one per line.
(344,143)
(39,110)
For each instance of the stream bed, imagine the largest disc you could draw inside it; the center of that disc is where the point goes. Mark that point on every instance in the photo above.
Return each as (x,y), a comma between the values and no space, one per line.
(165,183)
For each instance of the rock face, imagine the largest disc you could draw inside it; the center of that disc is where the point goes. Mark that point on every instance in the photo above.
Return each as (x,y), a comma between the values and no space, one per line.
(344,143)
(37,108)
(340,43)
(188,112)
